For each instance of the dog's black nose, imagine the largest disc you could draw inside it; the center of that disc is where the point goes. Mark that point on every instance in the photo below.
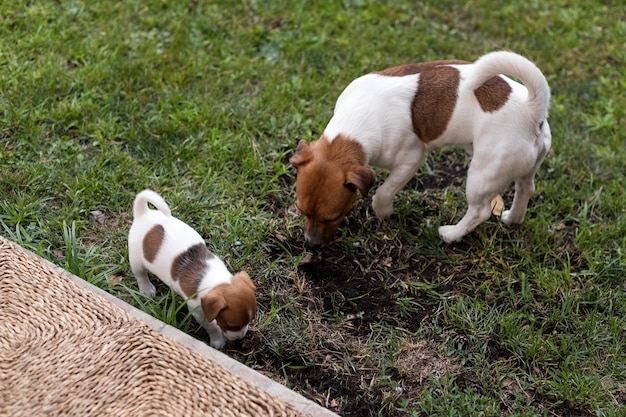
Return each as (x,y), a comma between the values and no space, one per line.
(312,245)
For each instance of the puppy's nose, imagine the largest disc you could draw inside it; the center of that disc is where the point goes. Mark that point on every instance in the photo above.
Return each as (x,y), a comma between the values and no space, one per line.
(313,245)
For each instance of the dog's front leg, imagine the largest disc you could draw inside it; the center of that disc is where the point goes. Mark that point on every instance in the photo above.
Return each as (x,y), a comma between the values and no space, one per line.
(399,175)
(218,341)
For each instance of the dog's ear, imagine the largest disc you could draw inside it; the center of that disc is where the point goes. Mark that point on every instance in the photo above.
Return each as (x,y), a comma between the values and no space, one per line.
(212,303)
(302,155)
(360,178)
(243,277)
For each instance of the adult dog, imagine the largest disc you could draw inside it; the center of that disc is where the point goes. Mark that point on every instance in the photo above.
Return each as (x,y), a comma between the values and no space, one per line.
(391,118)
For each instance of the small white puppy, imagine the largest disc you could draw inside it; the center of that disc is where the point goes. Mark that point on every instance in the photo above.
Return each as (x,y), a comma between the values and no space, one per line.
(223,303)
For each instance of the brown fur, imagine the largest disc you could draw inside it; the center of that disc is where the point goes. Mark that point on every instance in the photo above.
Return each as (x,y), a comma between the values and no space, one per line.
(434,102)
(493,94)
(336,165)
(152,242)
(189,267)
(229,314)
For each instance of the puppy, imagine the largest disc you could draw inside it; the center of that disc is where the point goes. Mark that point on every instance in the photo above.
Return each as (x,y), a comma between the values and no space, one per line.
(165,246)
(391,118)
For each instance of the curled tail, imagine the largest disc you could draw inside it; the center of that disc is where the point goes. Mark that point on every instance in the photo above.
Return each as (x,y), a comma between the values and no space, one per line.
(140,206)
(510,63)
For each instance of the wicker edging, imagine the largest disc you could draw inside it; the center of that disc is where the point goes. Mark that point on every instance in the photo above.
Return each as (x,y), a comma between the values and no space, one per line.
(68,348)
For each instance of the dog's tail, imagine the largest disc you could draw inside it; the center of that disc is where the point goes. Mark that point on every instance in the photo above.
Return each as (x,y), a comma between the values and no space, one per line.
(140,206)
(510,63)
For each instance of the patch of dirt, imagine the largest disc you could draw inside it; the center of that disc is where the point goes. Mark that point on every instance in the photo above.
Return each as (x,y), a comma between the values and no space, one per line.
(416,362)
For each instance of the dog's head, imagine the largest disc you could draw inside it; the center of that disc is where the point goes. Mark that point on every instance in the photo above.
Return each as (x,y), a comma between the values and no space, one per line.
(329,174)
(232,305)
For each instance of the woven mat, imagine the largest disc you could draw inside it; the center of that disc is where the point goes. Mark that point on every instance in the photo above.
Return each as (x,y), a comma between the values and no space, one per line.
(66,351)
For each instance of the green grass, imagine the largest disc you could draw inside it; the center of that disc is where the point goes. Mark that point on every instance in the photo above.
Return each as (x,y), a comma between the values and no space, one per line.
(205,102)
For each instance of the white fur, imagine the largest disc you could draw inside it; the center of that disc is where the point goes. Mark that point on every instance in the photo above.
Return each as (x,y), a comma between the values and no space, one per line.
(507,145)
(178,238)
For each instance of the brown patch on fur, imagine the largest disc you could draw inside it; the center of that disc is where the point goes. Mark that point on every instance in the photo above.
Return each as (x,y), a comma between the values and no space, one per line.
(231,305)
(152,242)
(189,267)
(434,102)
(493,94)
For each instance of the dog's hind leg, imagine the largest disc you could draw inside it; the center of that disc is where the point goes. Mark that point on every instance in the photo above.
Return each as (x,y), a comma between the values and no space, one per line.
(483,183)
(525,186)
(477,212)
(524,189)
(141,275)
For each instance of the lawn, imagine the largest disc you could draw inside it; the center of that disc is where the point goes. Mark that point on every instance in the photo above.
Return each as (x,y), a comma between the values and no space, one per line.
(205,102)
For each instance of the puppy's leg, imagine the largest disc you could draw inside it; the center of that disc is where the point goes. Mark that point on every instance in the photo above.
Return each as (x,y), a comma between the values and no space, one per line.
(141,275)
(399,175)
(218,341)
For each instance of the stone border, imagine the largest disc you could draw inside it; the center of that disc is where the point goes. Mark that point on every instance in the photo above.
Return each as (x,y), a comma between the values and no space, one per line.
(262,382)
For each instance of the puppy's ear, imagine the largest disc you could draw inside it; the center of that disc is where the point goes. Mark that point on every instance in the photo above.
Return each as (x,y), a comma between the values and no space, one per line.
(212,303)
(360,178)
(243,277)
(302,155)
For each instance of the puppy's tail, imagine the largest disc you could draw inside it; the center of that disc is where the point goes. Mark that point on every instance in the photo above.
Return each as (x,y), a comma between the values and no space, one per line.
(140,206)
(510,63)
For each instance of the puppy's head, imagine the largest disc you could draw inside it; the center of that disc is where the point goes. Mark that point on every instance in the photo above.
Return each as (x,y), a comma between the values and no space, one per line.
(232,305)
(329,174)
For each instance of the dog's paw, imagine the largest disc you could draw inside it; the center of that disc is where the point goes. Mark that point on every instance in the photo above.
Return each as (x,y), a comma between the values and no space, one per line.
(147,289)
(508,218)
(450,233)
(217,342)
(382,208)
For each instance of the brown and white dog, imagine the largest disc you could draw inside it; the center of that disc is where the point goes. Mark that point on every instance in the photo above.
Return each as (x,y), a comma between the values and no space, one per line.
(223,303)
(391,118)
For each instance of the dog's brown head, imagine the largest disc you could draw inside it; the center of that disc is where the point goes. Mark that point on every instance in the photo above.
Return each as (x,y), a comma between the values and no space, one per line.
(329,176)
(232,305)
